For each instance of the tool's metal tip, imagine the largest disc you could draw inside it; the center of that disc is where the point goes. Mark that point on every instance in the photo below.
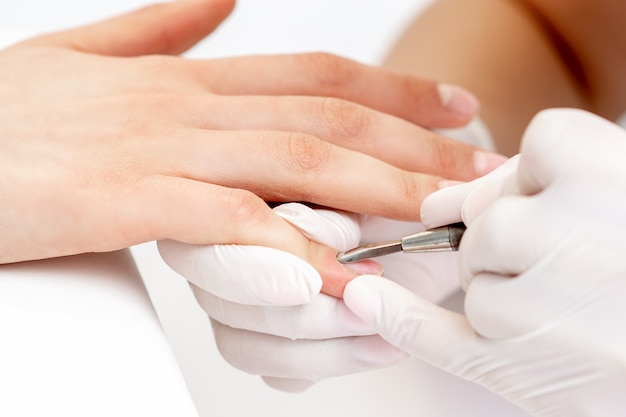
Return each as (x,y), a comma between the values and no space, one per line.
(370,250)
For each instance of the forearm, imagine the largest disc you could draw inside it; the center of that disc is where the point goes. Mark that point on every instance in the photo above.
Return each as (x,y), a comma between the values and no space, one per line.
(497,49)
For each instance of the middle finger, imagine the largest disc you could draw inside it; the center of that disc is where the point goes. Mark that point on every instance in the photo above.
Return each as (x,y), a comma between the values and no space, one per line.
(345,124)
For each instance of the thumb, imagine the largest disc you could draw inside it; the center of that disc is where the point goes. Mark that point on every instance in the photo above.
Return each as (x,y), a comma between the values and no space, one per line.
(200,213)
(448,205)
(438,336)
(165,28)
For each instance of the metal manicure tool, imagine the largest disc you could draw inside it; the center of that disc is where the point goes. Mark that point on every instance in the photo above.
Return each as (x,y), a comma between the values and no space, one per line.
(439,239)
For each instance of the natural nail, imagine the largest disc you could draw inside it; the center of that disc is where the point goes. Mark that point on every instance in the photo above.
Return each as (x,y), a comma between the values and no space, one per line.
(458,100)
(485,162)
(366,267)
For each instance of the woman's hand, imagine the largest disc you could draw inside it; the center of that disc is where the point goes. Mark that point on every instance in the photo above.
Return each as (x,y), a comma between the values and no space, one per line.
(104,144)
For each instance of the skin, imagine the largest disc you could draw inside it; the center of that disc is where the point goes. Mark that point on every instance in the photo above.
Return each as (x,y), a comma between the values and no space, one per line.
(108,139)
(522,56)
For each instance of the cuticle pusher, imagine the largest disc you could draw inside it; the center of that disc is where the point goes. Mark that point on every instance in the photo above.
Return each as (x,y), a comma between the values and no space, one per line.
(438,239)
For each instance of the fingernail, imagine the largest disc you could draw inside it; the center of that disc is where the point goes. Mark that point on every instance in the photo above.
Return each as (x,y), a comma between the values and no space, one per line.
(366,267)
(458,100)
(485,162)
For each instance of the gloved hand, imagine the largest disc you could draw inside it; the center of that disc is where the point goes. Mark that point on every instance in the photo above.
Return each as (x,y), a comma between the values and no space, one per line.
(542,261)
(271,299)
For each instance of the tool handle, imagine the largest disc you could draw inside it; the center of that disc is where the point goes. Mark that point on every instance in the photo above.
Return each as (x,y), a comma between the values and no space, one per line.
(444,238)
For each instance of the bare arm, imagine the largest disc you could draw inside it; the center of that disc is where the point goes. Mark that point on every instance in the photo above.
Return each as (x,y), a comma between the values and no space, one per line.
(520,56)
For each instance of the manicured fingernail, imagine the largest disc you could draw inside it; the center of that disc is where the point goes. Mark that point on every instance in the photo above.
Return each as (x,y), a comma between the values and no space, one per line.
(485,162)
(458,100)
(366,267)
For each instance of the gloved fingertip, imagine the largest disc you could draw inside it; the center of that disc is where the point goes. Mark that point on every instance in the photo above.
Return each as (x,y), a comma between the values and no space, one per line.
(444,206)
(333,228)
(292,212)
(362,297)
(342,229)
(477,202)
(291,385)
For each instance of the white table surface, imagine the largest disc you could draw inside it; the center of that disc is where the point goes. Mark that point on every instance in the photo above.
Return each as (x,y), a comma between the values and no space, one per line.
(79,335)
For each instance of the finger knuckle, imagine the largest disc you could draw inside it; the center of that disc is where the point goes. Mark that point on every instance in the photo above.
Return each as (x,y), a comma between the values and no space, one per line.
(343,120)
(329,70)
(163,65)
(143,117)
(247,208)
(446,159)
(411,191)
(306,154)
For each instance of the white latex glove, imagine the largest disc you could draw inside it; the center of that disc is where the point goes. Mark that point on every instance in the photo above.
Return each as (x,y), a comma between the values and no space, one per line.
(545,275)
(270,299)
(268,315)
(247,291)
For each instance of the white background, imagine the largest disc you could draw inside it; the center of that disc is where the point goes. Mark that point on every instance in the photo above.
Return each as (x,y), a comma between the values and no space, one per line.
(362,30)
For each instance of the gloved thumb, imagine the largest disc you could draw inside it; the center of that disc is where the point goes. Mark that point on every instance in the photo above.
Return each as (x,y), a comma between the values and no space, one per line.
(412,324)
(446,205)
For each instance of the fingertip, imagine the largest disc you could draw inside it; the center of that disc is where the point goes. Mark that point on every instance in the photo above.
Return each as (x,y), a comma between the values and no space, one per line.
(437,105)
(444,206)
(459,102)
(500,183)
(544,127)
(477,202)
(362,297)
(486,162)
